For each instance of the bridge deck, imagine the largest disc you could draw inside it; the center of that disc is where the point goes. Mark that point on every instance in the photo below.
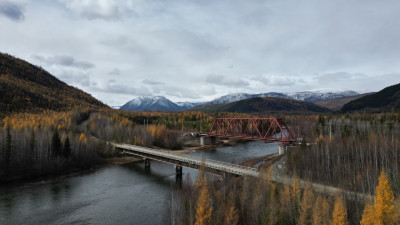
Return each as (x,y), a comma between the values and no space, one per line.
(217,167)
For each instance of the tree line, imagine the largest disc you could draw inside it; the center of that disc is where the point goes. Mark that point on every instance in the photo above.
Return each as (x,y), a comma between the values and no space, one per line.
(257,201)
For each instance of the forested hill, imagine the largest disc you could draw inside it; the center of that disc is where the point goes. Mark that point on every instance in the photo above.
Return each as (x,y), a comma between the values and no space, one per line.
(385,100)
(266,105)
(25,88)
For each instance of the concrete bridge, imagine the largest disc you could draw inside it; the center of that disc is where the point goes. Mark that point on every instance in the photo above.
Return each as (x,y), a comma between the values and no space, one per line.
(179,160)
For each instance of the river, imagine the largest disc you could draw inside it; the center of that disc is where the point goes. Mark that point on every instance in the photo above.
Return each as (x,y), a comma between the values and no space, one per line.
(118,194)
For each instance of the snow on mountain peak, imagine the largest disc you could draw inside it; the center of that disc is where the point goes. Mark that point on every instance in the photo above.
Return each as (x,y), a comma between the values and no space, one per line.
(161,103)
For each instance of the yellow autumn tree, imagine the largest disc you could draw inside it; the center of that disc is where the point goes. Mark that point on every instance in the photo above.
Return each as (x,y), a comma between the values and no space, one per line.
(320,211)
(381,212)
(203,205)
(82,138)
(306,206)
(285,198)
(295,189)
(339,214)
(369,215)
(231,213)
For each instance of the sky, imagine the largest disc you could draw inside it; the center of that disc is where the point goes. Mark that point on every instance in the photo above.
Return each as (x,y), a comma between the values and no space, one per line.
(197,50)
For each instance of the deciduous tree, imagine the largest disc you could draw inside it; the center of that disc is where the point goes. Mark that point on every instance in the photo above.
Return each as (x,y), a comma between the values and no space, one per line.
(339,214)
(381,212)
(203,205)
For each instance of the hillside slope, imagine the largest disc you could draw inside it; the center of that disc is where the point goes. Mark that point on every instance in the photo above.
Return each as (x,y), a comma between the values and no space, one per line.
(25,87)
(336,104)
(384,100)
(267,105)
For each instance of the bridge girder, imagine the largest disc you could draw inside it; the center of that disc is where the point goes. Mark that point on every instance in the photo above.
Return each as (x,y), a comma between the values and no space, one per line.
(257,129)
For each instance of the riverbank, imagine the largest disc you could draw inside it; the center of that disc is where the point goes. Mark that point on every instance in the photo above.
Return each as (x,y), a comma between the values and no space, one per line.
(118,160)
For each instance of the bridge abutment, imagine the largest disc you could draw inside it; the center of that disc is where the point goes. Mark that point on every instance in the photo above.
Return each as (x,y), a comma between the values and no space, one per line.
(207,140)
(282,149)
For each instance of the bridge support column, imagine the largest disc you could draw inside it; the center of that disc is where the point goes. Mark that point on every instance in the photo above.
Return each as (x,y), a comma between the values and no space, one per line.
(178,176)
(202,140)
(178,170)
(146,163)
(282,149)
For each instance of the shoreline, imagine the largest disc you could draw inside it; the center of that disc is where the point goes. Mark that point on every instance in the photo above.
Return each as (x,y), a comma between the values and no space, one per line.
(116,160)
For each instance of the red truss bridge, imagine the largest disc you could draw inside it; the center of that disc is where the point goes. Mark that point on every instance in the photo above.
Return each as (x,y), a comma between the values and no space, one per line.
(257,129)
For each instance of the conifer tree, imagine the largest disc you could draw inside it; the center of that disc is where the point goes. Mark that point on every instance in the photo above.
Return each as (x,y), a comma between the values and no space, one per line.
(67,148)
(32,146)
(286,206)
(295,189)
(381,212)
(56,145)
(339,214)
(203,205)
(320,211)
(231,213)
(369,215)
(306,206)
(82,138)
(8,149)
(32,141)
(384,200)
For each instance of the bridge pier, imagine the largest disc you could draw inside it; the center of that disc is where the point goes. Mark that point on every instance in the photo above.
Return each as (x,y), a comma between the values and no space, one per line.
(178,170)
(147,163)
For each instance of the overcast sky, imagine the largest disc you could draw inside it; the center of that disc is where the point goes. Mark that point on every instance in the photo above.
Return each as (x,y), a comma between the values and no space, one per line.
(196,50)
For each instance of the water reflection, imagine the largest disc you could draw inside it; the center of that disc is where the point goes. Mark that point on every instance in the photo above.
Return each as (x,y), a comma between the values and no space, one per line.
(123,194)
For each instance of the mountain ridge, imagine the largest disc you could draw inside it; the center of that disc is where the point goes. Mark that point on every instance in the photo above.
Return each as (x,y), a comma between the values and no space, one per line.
(307,96)
(266,105)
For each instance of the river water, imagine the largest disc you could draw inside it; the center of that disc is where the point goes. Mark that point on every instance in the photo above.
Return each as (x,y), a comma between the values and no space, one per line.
(119,194)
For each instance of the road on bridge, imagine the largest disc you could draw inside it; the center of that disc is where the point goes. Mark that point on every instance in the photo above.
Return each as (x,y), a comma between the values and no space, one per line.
(212,166)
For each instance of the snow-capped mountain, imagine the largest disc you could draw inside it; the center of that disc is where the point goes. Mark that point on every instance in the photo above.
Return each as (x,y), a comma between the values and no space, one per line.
(230,98)
(157,103)
(314,96)
(307,96)
(160,103)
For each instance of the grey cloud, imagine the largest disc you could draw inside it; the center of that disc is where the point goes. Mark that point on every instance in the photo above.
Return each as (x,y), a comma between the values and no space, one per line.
(114,72)
(276,80)
(64,60)
(181,42)
(339,77)
(94,9)
(191,93)
(357,81)
(226,81)
(116,88)
(74,77)
(152,82)
(12,11)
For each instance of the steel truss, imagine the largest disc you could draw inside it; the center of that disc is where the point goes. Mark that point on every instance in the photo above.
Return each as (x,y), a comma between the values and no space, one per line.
(258,129)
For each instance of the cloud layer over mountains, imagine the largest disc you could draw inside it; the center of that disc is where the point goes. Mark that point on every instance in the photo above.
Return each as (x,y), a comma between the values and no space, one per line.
(198,50)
